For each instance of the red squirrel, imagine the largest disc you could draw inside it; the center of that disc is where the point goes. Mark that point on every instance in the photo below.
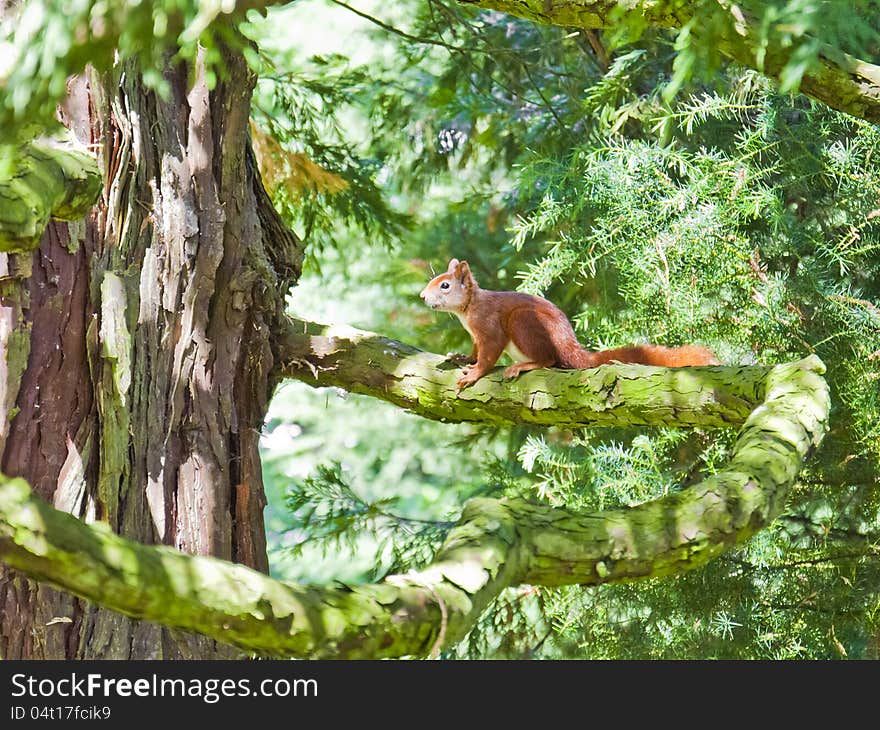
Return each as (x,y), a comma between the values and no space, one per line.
(532,330)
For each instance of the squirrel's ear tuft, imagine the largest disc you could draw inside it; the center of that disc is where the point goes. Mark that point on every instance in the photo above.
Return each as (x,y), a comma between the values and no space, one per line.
(453,265)
(464,273)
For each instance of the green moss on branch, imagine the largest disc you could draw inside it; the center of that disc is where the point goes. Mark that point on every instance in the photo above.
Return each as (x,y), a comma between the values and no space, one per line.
(610,395)
(39,180)
(495,544)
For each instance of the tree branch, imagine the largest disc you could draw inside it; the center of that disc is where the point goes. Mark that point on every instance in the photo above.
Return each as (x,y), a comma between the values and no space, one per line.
(42,179)
(496,544)
(424,383)
(839,80)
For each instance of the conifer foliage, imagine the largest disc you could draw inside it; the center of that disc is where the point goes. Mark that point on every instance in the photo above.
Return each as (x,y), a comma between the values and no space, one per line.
(661,177)
(714,207)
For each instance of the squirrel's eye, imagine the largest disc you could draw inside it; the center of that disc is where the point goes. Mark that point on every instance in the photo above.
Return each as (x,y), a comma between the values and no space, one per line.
(444,285)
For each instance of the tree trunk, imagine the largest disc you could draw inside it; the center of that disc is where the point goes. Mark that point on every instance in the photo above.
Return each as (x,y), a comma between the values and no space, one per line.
(136,349)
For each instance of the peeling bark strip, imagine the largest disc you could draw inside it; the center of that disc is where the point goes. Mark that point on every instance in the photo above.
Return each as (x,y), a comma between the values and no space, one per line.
(496,544)
(610,395)
(842,82)
(49,178)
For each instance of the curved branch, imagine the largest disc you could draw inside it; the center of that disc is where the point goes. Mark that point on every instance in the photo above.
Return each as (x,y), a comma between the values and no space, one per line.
(610,395)
(495,544)
(839,80)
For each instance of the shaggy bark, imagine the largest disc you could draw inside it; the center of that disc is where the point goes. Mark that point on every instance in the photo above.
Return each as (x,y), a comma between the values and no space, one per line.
(137,353)
(496,544)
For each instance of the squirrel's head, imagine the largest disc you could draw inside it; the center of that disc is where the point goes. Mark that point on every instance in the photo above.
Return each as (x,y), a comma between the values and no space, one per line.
(451,291)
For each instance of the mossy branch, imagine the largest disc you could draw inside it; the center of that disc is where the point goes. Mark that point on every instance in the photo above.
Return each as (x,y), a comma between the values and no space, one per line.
(494,545)
(42,179)
(610,395)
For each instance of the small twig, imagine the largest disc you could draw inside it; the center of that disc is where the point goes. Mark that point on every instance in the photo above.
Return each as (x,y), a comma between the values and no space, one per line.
(441,635)
(602,57)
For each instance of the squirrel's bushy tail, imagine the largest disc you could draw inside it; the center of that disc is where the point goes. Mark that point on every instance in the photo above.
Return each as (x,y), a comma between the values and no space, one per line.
(669,357)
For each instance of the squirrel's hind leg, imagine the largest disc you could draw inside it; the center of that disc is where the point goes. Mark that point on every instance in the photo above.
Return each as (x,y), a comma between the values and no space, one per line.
(530,345)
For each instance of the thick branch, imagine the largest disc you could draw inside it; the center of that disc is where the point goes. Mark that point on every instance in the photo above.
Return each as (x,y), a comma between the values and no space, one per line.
(611,395)
(842,82)
(496,544)
(42,179)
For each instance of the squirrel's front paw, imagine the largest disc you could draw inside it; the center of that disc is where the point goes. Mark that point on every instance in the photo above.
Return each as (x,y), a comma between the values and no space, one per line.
(469,377)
